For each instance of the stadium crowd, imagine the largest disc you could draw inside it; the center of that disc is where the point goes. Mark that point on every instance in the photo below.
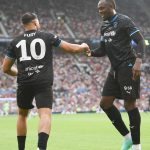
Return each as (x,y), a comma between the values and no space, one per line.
(78,80)
(78,83)
(80,16)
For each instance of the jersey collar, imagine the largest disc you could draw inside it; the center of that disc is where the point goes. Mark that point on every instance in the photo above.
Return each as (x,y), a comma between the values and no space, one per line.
(113,18)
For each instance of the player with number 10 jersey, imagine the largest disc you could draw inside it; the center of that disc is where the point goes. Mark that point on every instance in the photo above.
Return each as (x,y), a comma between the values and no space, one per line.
(29,49)
(33,52)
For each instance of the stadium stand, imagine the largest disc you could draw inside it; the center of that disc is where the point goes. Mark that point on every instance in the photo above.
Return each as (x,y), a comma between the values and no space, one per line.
(74,17)
(79,79)
(78,83)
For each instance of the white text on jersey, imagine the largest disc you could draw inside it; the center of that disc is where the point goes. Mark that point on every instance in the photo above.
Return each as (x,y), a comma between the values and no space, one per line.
(29,35)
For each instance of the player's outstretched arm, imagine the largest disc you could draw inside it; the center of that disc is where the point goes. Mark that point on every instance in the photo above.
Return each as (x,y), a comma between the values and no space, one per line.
(68,47)
(8,67)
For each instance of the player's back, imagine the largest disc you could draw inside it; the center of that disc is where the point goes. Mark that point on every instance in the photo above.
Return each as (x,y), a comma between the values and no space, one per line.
(33,52)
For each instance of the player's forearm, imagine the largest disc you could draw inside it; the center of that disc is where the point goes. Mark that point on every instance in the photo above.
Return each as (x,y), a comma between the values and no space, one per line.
(71,47)
(12,72)
(75,48)
(98,52)
(140,48)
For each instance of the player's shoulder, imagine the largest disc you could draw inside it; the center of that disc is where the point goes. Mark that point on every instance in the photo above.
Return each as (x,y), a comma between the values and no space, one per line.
(16,39)
(43,33)
(123,17)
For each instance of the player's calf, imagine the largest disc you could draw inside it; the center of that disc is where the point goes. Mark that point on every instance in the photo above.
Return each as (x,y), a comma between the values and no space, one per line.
(44,127)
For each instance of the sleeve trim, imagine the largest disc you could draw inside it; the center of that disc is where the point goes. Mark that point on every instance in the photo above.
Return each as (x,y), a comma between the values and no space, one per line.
(10,57)
(134,32)
(58,45)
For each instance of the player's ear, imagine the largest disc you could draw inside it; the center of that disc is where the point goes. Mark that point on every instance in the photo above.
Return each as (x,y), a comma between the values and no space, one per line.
(34,22)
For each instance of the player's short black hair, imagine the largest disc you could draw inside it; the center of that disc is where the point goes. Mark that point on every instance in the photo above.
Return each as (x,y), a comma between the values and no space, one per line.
(112,2)
(28,17)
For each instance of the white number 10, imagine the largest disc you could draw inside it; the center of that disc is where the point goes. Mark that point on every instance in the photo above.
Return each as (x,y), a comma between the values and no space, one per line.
(23,45)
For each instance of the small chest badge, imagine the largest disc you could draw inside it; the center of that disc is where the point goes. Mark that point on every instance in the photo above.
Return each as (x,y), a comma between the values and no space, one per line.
(115,24)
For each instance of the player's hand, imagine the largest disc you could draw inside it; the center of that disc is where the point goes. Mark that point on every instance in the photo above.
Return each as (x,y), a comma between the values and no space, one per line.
(88,53)
(137,69)
(85,47)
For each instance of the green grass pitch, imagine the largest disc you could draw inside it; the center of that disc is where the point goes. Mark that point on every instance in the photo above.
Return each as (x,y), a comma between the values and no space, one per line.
(73,132)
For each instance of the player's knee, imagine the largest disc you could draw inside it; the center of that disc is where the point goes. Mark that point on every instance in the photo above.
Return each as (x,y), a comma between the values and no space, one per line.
(130,105)
(45,116)
(45,113)
(23,113)
(101,104)
(44,110)
(45,119)
(105,103)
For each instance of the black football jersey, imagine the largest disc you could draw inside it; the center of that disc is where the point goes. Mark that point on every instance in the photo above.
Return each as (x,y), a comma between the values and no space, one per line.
(33,54)
(116,34)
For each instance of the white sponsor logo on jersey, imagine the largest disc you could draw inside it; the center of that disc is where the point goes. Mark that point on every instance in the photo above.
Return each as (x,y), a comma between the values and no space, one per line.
(111,33)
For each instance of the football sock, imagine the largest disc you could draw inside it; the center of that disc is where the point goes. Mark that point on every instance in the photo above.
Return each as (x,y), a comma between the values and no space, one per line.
(42,140)
(135,121)
(21,142)
(128,136)
(116,119)
(136,147)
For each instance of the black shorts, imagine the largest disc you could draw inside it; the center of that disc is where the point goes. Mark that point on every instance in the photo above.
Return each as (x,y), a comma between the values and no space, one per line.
(42,93)
(121,85)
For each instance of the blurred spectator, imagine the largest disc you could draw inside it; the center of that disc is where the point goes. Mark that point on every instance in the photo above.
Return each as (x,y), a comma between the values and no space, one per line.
(78,83)
(78,80)
(81,16)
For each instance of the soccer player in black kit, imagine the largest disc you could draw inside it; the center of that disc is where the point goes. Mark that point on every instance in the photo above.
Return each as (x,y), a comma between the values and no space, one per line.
(33,52)
(123,80)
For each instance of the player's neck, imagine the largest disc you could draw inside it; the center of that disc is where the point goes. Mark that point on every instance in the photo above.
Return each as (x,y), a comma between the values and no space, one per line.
(28,28)
(112,15)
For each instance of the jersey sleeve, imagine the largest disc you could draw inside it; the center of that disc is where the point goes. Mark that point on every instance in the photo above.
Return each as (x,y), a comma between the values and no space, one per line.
(10,51)
(130,26)
(99,51)
(55,40)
